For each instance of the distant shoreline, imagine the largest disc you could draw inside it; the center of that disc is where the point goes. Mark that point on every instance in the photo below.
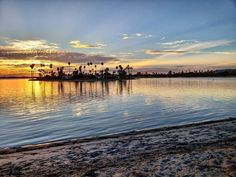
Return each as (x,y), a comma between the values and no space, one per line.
(108,76)
(42,79)
(15,77)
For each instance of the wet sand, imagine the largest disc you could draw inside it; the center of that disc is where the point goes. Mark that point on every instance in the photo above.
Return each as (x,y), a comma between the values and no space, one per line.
(199,149)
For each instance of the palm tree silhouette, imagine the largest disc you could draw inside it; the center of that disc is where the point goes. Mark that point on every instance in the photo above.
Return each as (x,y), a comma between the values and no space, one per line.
(50,66)
(32,67)
(95,66)
(91,68)
(69,66)
(42,70)
(88,66)
(80,69)
(102,68)
(84,68)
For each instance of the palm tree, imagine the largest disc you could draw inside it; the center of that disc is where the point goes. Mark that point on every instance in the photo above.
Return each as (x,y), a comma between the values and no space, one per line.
(69,66)
(121,68)
(95,66)
(102,67)
(50,66)
(91,68)
(42,70)
(60,72)
(128,68)
(106,70)
(84,69)
(80,69)
(58,69)
(88,65)
(32,67)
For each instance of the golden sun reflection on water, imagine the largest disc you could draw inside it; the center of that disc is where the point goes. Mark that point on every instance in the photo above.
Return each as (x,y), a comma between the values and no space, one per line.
(82,94)
(36,111)
(174,88)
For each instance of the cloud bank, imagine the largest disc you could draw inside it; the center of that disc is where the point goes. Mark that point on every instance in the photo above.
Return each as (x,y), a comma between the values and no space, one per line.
(58,56)
(11,49)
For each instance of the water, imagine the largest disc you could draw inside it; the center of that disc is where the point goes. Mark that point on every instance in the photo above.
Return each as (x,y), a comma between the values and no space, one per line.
(36,112)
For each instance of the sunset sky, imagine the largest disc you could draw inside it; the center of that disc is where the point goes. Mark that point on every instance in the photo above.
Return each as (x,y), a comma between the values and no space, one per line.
(150,35)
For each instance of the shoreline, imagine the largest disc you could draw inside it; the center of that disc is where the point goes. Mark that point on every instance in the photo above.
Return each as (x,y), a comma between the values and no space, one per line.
(106,80)
(80,80)
(125,79)
(204,148)
(70,141)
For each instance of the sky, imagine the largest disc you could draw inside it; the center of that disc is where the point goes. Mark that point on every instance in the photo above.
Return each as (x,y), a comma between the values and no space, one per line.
(150,35)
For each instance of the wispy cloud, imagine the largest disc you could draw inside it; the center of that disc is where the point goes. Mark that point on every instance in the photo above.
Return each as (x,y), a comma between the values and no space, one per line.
(13,44)
(135,36)
(123,55)
(187,47)
(163,52)
(78,44)
(177,44)
(194,45)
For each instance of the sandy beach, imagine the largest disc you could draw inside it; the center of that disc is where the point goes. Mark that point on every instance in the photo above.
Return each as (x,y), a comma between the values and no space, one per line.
(198,149)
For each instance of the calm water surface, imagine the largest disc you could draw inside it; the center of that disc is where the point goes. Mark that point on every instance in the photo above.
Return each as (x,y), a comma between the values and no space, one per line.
(35,112)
